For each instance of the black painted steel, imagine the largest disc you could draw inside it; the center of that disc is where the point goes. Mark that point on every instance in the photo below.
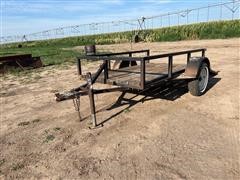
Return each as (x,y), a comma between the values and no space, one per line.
(105,69)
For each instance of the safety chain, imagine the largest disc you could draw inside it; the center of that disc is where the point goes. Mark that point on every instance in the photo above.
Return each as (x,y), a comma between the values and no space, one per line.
(76,103)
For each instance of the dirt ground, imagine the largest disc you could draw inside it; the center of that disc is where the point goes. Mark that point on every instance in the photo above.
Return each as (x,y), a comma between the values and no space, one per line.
(169,137)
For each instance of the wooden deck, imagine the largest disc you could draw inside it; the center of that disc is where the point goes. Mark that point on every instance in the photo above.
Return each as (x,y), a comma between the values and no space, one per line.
(130,76)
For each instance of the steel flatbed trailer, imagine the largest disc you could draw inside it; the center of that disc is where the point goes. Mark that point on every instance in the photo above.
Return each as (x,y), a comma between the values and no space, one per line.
(137,74)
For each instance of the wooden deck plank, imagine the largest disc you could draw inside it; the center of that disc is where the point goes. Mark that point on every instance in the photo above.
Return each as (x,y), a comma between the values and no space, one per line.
(130,76)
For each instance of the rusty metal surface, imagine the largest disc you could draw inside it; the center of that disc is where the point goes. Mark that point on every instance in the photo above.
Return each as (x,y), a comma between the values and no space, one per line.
(90,49)
(130,53)
(21,60)
(188,52)
(193,66)
(15,57)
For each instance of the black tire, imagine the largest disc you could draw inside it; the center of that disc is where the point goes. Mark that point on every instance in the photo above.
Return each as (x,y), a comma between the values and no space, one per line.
(198,87)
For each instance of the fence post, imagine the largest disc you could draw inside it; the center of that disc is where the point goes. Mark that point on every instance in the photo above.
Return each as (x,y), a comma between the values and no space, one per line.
(79,66)
(170,63)
(143,73)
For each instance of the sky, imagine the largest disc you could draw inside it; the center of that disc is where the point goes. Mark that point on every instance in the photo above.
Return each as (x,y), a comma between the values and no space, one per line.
(18,17)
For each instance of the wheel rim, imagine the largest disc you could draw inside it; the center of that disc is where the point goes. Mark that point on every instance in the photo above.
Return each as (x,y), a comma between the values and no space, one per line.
(203,79)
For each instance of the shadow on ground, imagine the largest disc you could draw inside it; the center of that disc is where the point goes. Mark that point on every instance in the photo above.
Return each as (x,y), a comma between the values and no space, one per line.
(168,91)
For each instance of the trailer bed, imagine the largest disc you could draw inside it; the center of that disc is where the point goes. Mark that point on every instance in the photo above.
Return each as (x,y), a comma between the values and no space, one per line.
(130,76)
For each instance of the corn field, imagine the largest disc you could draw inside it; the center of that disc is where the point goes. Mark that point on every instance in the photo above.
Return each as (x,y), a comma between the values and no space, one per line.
(210,13)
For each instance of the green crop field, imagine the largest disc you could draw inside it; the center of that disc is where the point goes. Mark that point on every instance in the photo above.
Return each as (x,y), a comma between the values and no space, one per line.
(58,51)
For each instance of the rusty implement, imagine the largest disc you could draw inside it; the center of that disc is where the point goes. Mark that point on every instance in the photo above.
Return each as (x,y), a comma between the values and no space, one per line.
(21,60)
(138,74)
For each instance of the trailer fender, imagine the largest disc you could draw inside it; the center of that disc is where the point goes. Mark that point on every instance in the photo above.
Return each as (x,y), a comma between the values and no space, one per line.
(124,64)
(193,66)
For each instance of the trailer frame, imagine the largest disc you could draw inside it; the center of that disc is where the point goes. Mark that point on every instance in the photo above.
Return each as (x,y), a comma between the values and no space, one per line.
(190,71)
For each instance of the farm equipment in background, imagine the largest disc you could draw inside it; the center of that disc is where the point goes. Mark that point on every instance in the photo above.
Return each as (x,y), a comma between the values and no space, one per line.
(140,33)
(23,61)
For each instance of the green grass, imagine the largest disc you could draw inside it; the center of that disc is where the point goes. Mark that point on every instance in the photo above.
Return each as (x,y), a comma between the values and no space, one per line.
(17,166)
(49,138)
(211,30)
(52,52)
(57,128)
(24,123)
(2,161)
(36,120)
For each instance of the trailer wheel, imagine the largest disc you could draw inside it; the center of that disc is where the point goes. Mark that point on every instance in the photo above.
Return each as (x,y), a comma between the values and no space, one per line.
(198,87)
